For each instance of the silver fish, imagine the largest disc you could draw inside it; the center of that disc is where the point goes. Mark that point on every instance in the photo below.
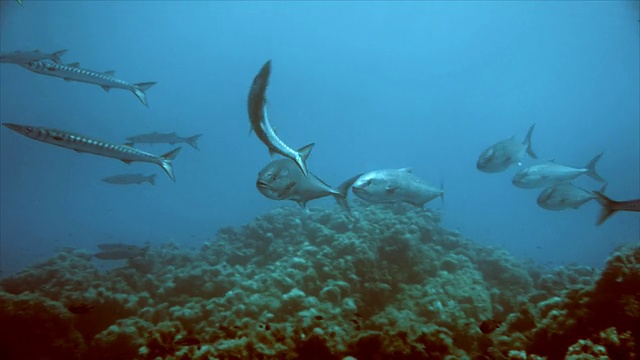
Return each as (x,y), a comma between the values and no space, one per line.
(122,253)
(565,196)
(73,72)
(551,173)
(610,207)
(395,185)
(257,107)
(127,179)
(282,179)
(24,57)
(164,138)
(84,144)
(499,156)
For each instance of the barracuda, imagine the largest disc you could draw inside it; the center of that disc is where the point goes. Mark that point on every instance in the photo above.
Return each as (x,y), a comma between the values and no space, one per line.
(84,144)
(73,72)
(257,107)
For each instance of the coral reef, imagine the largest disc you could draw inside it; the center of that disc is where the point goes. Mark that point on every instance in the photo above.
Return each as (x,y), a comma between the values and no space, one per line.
(390,283)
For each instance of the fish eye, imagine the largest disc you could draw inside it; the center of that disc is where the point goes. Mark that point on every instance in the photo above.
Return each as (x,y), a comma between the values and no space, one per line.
(28,129)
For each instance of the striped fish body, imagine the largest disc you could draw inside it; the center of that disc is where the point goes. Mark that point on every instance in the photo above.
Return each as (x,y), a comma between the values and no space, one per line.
(85,144)
(73,72)
(257,108)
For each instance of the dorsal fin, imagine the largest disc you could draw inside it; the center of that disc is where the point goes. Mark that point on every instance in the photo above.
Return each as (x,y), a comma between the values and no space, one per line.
(109,73)
(75,64)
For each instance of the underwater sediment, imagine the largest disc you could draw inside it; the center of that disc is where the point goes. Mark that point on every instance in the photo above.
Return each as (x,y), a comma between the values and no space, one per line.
(389,284)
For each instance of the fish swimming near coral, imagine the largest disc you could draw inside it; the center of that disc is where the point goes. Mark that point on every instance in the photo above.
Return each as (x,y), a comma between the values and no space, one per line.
(610,207)
(490,325)
(551,173)
(394,186)
(128,179)
(80,308)
(73,72)
(501,155)
(565,196)
(282,179)
(257,107)
(25,57)
(122,253)
(83,144)
(164,138)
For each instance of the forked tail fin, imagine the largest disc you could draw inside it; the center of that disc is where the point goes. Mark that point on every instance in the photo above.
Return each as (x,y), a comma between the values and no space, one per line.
(607,207)
(152,179)
(343,191)
(193,141)
(139,91)
(56,56)
(527,142)
(166,159)
(591,169)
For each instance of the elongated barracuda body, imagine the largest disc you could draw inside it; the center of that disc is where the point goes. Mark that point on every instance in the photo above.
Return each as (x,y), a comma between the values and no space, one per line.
(257,107)
(73,72)
(84,144)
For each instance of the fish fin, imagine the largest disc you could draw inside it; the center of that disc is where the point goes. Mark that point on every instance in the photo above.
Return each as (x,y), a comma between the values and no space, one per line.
(193,141)
(75,64)
(165,162)
(603,188)
(126,161)
(343,191)
(527,142)
(301,157)
(130,144)
(152,179)
(305,151)
(139,91)
(109,73)
(56,56)
(591,169)
(406,169)
(303,206)
(105,88)
(607,207)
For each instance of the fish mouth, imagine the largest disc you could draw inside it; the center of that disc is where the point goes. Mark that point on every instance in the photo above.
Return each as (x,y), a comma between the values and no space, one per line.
(14,127)
(261,184)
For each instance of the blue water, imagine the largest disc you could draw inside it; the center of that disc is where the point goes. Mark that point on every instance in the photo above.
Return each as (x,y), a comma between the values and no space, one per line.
(374,85)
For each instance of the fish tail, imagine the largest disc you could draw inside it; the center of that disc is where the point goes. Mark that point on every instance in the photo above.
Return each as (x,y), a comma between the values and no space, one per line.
(193,141)
(591,169)
(166,159)
(527,142)
(608,207)
(301,157)
(343,191)
(152,179)
(56,56)
(139,91)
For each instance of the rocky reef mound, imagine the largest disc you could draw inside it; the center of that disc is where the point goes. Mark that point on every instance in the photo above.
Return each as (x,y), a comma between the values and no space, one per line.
(390,283)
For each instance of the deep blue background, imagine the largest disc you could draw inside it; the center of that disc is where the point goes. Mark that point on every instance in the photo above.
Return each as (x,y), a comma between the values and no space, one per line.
(375,85)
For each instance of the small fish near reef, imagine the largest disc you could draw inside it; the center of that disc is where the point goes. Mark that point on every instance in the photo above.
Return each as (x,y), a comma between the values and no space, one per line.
(128,179)
(83,144)
(105,79)
(395,186)
(501,155)
(164,138)
(490,325)
(120,252)
(610,207)
(282,179)
(257,108)
(80,308)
